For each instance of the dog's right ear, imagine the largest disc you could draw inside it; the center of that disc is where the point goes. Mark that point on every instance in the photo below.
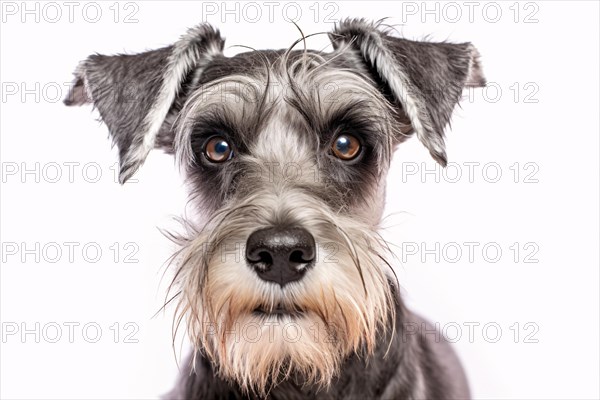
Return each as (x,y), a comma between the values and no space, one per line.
(137,94)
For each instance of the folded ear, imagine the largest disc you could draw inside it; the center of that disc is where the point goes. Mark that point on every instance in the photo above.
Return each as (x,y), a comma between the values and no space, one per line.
(137,95)
(425,80)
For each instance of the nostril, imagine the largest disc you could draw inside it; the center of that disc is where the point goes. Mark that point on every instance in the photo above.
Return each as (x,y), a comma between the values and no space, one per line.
(299,257)
(265,257)
(260,256)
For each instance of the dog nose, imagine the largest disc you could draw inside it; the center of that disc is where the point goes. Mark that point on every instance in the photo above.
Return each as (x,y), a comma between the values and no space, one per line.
(281,255)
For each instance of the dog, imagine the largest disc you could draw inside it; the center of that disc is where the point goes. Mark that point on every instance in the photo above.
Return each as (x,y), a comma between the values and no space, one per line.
(282,279)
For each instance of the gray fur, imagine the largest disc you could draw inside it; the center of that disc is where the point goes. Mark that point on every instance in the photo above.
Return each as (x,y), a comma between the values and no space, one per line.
(274,108)
(125,88)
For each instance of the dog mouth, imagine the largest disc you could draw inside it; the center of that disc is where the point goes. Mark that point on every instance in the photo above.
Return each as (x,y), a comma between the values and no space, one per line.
(278,310)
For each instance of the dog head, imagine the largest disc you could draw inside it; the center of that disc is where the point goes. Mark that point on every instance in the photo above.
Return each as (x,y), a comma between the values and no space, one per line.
(285,153)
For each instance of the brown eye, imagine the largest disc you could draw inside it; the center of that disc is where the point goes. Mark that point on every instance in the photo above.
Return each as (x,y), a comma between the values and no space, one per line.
(217,150)
(346,147)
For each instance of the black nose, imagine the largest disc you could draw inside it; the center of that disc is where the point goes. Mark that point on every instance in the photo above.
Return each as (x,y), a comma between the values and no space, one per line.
(281,255)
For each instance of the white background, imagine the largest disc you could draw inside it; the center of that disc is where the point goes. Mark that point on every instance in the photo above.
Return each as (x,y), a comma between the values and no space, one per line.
(551,123)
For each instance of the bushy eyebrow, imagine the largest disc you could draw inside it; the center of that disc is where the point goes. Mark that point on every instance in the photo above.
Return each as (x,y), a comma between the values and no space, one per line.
(242,105)
(359,117)
(233,104)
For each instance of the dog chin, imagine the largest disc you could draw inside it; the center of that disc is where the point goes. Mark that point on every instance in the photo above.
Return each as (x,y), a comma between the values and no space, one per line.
(264,347)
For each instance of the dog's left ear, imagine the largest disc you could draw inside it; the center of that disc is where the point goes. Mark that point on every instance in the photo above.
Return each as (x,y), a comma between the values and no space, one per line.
(424,80)
(138,95)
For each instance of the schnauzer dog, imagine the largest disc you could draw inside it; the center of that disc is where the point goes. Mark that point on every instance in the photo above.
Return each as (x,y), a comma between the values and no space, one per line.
(282,280)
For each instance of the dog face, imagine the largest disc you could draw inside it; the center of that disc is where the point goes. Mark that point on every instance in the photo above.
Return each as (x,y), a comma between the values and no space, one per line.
(281,270)
(283,171)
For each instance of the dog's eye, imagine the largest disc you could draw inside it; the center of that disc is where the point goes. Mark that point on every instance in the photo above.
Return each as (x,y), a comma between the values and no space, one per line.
(218,150)
(346,147)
